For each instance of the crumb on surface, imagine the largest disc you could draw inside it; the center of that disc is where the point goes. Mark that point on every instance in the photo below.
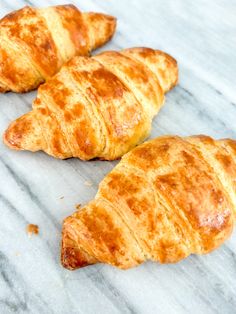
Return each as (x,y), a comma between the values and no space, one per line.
(88,183)
(61,198)
(32,229)
(17,253)
(77,206)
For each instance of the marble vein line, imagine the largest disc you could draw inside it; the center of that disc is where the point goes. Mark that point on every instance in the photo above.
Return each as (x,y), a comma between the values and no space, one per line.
(28,2)
(215,90)
(34,198)
(165,286)
(13,209)
(202,113)
(20,303)
(13,281)
(222,95)
(197,292)
(231,253)
(113,294)
(110,292)
(20,217)
(203,268)
(206,272)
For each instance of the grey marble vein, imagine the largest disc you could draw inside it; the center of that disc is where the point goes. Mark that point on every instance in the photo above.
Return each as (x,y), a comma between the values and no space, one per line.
(35,188)
(33,197)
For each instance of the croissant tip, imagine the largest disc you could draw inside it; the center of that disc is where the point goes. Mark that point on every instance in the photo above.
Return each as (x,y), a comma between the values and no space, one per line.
(10,140)
(3,90)
(72,259)
(109,18)
(24,134)
(103,27)
(111,23)
(112,20)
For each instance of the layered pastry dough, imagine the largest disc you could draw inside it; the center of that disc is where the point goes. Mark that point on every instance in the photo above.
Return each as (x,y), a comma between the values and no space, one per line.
(96,107)
(167,198)
(35,43)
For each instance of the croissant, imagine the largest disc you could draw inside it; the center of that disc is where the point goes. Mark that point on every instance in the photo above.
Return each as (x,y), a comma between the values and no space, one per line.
(96,107)
(167,198)
(35,43)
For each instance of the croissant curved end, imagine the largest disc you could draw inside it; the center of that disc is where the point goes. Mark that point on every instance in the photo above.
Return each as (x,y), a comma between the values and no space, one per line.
(23,134)
(102,26)
(3,89)
(73,257)
(12,137)
(8,141)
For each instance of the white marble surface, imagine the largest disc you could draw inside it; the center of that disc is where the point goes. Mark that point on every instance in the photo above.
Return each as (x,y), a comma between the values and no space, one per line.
(201,35)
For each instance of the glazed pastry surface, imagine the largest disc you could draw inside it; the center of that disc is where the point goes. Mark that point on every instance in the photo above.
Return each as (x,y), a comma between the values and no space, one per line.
(35,43)
(97,107)
(167,198)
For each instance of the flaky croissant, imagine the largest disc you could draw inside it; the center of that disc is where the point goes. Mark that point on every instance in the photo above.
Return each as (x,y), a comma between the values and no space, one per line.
(96,107)
(167,198)
(35,43)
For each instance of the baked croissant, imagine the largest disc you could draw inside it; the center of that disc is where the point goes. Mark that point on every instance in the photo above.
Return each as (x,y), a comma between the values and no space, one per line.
(96,107)
(35,43)
(167,198)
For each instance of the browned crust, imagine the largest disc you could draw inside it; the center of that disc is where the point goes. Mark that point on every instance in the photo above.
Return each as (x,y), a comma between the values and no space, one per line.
(30,50)
(99,107)
(101,27)
(167,199)
(26,27)
(72,20)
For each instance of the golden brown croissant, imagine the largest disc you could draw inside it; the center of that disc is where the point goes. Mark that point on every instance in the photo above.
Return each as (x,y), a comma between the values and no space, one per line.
(35,43)
(167,198)
(96,107)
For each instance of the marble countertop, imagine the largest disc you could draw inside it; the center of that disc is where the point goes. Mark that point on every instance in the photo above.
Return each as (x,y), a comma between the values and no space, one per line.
(35,188)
